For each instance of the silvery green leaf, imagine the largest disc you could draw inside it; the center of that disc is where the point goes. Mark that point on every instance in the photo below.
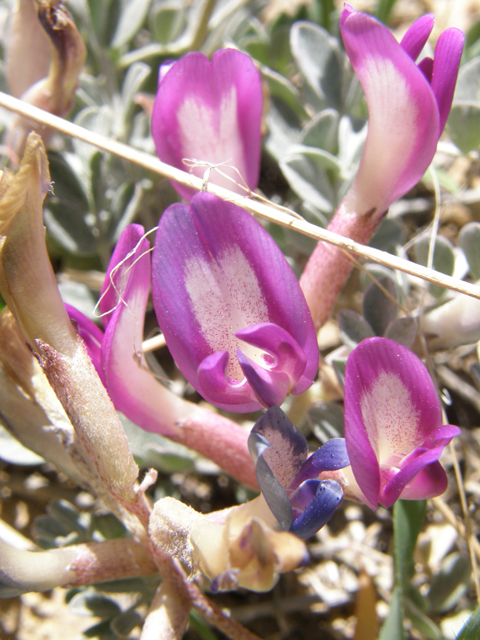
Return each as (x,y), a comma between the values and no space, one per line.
(136,75)
(284,90)
(443,259)
(100,631)
(421,622)
(140,134)
(475,373)
(464,118)
(283,129)
(450,583)
(322,131)
(92,90)
(469,240)
(124,623)
(302,243)
(13,452)
(325,419)
(379,310)
(471,629)
(353,328)
(280,53)
(339,368)
(309,180)
(68,516)
(379,271)
(389,235)
(167,21)
(107,527)
(403,330)
(66,209)
(313,215)
(392,628)
(322,158)
(464,126)
(131,19)
(96,119)
(468,84)
(101,16)
(320,62)
(49,533)
(352,133)
(91,603)
(124,205)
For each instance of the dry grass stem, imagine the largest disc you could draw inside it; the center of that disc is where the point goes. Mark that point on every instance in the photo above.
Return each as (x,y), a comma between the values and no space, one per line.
(468,522)
(283,217)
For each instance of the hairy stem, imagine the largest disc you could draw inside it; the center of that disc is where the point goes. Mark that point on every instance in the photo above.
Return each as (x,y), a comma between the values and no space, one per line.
(329,267)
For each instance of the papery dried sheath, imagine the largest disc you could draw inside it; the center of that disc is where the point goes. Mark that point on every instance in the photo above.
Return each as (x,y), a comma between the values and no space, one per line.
(25,65)
(393,424)
(55,90)
(27,281)
(230,307)
(28,285)
(210,112)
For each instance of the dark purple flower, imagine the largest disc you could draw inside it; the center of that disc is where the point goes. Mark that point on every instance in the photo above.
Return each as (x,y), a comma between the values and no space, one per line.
(288,478)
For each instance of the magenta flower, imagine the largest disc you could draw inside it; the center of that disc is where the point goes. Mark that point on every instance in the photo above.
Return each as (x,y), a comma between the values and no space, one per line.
(132,389)
(210,112)
(288,478)
(230,307)
(393,424)
(408,104)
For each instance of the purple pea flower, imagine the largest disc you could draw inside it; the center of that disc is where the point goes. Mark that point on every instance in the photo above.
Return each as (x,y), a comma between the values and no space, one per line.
(408,104)
(210,112)
(132,389)
(393,424)
(288,478)
(230,307)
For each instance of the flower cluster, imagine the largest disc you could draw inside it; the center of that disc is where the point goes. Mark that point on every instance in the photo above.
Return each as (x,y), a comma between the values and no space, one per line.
(231,309)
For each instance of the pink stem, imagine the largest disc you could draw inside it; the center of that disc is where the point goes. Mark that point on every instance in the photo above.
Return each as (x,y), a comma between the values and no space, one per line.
(220,440)
(328,268)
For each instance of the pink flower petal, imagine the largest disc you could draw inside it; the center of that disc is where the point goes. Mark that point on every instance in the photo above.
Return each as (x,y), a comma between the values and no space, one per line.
(448,53)
(393,419)
(211,112)
(418,461)
(217,272)
(404,121)
(133,390)
(416,37)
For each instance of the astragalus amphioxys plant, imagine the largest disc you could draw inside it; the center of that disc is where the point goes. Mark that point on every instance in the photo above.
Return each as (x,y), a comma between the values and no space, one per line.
(227,458)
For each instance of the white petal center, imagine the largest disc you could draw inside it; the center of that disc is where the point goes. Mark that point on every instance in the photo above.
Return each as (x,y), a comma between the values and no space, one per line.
(391,419)
(392,122)
(213,136)
(226,297)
